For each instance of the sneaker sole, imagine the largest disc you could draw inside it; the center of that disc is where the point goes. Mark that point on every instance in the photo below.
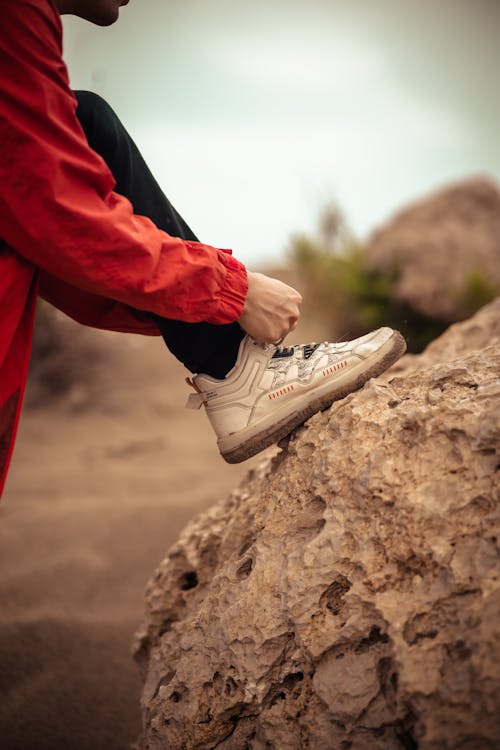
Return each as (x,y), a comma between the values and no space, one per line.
(263,437)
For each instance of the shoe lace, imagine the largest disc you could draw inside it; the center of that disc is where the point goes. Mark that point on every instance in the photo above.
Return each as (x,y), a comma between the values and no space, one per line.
(285,350)
(288,351)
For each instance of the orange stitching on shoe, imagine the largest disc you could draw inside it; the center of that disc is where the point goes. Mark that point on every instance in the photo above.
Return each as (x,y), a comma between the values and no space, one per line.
(334,368)
(281,392)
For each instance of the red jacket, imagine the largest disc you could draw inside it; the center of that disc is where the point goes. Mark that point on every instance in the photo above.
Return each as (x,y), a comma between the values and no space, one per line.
(65,234)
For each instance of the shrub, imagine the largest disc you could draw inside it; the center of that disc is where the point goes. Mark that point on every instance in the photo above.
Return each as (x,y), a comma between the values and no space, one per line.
(339,288)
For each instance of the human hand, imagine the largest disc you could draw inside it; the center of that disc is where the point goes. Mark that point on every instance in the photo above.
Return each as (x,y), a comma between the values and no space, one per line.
(271,309)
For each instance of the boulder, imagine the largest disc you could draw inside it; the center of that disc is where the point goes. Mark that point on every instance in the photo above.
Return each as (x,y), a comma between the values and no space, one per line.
(346,596)
(444,251)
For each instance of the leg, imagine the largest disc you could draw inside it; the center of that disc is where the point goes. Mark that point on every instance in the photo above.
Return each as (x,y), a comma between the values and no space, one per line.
(272,389)
(201,347)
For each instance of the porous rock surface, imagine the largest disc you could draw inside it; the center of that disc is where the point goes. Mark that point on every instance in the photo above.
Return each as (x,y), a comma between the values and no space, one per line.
(438,245)
(347,595)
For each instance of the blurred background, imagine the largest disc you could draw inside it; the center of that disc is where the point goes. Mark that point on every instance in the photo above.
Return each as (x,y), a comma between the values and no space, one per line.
(254,115)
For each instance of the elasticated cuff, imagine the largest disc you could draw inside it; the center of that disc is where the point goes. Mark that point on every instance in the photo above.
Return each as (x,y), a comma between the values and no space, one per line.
(233,293)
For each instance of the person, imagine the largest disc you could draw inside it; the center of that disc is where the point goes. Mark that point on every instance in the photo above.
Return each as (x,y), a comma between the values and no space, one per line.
(85,226)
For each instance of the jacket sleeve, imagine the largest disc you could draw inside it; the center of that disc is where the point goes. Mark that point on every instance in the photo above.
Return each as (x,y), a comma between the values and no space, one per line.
(95,310)
(57,205)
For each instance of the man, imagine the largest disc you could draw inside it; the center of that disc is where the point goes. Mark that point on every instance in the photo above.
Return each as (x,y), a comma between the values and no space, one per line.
(84,225)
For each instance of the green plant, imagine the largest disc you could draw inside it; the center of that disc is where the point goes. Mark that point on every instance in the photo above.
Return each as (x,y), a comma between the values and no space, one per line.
(476,292)
(353,298)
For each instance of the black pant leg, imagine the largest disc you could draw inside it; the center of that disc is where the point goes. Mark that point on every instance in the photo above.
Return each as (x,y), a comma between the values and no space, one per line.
(201,347)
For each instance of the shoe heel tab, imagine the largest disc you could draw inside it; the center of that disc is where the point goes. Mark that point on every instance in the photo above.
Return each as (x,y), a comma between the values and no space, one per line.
(195,400)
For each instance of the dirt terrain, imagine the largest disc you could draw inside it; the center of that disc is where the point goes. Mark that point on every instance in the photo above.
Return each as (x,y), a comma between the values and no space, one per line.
(102,481)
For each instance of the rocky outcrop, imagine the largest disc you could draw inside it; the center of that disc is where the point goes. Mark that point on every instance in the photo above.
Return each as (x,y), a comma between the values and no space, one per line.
(347,595)
(444,250)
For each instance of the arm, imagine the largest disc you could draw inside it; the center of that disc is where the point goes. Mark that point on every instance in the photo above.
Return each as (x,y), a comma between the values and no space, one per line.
(57,206)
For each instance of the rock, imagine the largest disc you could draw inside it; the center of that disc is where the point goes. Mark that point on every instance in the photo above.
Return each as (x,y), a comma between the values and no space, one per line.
(478,333)
(444,250)
(347,594)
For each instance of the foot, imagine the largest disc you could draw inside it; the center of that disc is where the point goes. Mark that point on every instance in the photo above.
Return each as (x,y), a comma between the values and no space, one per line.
(271,390)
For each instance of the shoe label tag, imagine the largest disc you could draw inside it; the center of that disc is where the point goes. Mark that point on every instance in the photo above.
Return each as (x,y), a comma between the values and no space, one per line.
(194,401)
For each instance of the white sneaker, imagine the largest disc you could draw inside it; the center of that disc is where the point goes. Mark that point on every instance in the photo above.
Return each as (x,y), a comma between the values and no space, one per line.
(273,389)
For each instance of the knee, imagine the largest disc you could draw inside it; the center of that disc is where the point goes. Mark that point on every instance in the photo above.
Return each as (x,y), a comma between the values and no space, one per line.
(98,120)
(92,107)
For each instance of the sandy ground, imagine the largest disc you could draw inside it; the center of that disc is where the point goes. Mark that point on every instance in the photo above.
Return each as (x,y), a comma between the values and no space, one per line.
(102,481)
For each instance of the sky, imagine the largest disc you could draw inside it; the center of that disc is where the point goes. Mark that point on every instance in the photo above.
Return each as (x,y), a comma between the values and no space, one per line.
(254,116)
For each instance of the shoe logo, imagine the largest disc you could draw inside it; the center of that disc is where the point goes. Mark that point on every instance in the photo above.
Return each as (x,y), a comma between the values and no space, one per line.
(309,349)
